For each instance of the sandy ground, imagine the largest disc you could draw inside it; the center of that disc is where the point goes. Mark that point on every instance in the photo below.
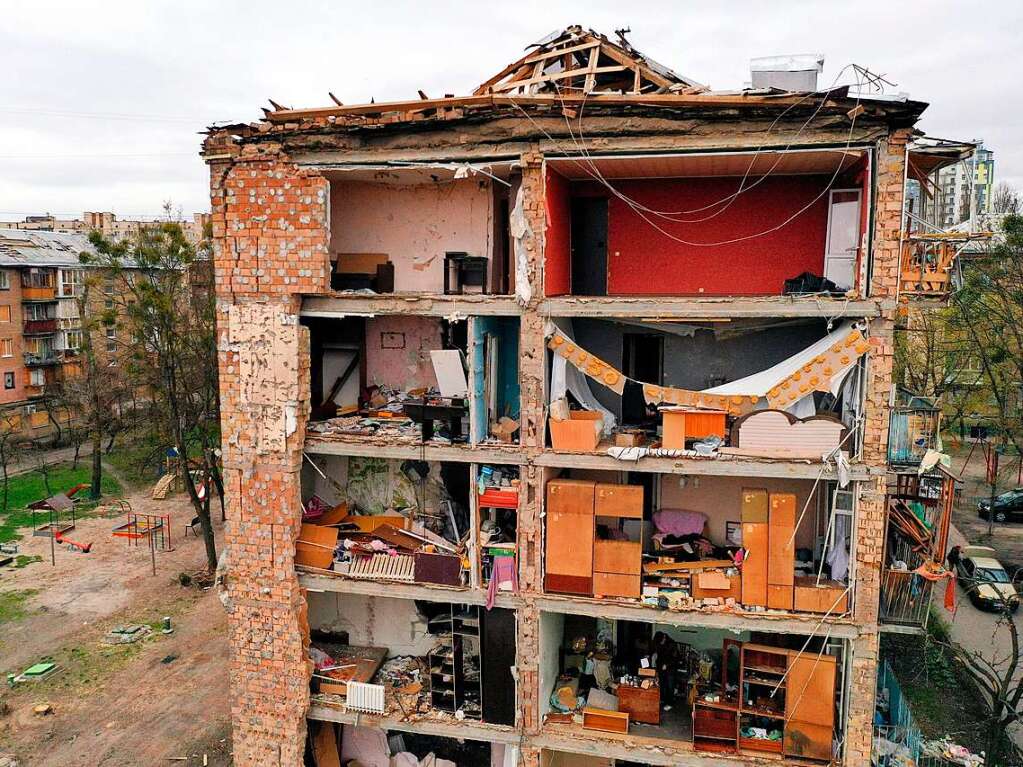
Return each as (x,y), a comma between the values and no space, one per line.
(138,704)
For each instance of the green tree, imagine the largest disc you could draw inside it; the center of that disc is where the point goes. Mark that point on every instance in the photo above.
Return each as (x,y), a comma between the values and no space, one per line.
(170,318)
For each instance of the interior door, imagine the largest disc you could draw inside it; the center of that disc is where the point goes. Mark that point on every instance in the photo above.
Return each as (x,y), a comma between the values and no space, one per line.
(589,246)
(642,360)
(843,239)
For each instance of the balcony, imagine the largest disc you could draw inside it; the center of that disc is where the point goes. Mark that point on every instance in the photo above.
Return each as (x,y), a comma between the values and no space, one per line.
(39,360)
(40,327)
(35,391)
(919,516)
(36,293)
(928,261)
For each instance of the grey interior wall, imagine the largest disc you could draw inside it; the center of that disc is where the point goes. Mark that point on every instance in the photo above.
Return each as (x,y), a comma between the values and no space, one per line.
(729,358)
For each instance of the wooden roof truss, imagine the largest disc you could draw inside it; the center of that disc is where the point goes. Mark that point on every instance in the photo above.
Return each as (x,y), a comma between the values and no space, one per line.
(580,61)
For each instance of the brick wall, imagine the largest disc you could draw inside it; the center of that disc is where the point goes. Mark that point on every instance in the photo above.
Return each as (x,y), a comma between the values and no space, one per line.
(871,513)
(270,245)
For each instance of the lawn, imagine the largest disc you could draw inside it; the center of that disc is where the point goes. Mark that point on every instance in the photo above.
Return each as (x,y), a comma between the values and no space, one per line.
(25,488)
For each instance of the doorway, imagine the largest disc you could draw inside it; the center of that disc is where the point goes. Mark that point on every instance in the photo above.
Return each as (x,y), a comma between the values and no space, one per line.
(589,246)
(642,360)
(843,239)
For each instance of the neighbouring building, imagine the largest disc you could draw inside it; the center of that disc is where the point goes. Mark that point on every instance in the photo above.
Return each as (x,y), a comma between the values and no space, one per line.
(41,327)
(962,191)
(108,224)
(556,417)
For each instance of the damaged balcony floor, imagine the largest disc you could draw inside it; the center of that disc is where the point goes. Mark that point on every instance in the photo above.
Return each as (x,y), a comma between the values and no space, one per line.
(384,447)
(330,581)
(331,708)
(673,746)
(773,621)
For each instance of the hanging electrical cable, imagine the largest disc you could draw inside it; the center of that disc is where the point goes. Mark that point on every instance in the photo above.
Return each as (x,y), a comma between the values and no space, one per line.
(728,199)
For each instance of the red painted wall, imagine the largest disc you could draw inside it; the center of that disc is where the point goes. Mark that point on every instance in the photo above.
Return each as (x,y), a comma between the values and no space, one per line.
(557,250)
(642,260)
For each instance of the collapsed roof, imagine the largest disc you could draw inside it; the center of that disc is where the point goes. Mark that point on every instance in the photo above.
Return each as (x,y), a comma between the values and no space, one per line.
(578,70)
(584,61)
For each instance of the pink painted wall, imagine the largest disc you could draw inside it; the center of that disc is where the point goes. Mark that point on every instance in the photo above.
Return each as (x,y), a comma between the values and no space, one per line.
(413,224)
(720,499)
(406,368)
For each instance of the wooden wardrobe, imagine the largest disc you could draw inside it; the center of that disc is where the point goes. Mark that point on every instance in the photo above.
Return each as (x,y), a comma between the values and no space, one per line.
(569,547)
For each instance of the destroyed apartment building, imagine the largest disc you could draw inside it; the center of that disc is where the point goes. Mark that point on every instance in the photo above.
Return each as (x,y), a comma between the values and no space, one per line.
(556,417)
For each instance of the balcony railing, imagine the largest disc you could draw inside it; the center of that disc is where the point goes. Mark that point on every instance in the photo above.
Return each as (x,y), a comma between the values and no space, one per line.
(40,327)
(928,260)
(36,360)
(34,293)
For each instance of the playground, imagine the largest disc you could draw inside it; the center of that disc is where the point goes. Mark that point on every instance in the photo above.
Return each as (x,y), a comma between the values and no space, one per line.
(118,564)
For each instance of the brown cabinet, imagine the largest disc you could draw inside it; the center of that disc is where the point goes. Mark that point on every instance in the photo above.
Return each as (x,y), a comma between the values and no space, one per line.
(754,566)
(578,563)
(642,705)
(810,705)
(618,501)
(828,596)
(781,550)
(782,544)
(617,557)
(569,543)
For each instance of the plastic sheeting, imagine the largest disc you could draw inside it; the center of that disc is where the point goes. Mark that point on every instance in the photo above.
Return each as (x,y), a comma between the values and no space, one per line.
(565,377)
(521,232)
(760,384)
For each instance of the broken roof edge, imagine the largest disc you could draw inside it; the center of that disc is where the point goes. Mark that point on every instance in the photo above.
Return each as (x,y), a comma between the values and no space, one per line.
(741,99)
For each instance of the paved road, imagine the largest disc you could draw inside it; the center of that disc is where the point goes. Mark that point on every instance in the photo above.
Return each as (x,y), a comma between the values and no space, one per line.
(21,464)
(977,630)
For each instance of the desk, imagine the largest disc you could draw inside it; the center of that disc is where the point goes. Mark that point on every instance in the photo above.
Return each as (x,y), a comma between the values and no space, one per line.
(642,705)
(426,411)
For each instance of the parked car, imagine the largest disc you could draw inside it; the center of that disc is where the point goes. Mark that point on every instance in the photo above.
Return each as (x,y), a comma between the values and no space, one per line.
(985,581)
(1008,506)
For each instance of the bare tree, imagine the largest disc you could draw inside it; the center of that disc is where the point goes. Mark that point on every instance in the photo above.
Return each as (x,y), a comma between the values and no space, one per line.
(987,312)
(171,340)
(998,678)
(97,391)
(1005,200)
(10,428)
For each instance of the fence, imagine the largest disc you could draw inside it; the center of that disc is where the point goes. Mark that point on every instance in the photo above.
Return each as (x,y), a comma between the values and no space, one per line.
(897,743)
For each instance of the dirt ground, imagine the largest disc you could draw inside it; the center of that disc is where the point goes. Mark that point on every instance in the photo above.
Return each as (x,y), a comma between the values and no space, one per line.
(1008,538)
(138,704)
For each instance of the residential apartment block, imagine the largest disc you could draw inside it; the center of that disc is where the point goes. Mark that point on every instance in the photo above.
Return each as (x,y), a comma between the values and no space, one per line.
(556,417)
(41,324)
(40,327)
(107,223)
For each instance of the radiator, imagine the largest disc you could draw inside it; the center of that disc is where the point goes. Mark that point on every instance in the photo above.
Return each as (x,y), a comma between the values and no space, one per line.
(366,697)
(399,567)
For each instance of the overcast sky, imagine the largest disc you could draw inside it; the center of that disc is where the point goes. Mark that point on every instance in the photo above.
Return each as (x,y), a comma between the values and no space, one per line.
(101,103)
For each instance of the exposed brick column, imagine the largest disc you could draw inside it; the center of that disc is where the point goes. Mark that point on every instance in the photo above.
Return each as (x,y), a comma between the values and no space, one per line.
(871,512)
(270,245)
(533,406)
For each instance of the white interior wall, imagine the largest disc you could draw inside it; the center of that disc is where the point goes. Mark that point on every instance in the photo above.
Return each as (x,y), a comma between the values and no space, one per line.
(552,629)
(335,467)
(372,621)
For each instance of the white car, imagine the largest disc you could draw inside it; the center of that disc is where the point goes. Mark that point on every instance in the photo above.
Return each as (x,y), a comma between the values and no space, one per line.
(985,580)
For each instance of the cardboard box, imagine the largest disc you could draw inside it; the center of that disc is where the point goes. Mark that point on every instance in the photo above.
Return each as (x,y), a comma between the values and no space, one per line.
(579,434)
(630,439)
